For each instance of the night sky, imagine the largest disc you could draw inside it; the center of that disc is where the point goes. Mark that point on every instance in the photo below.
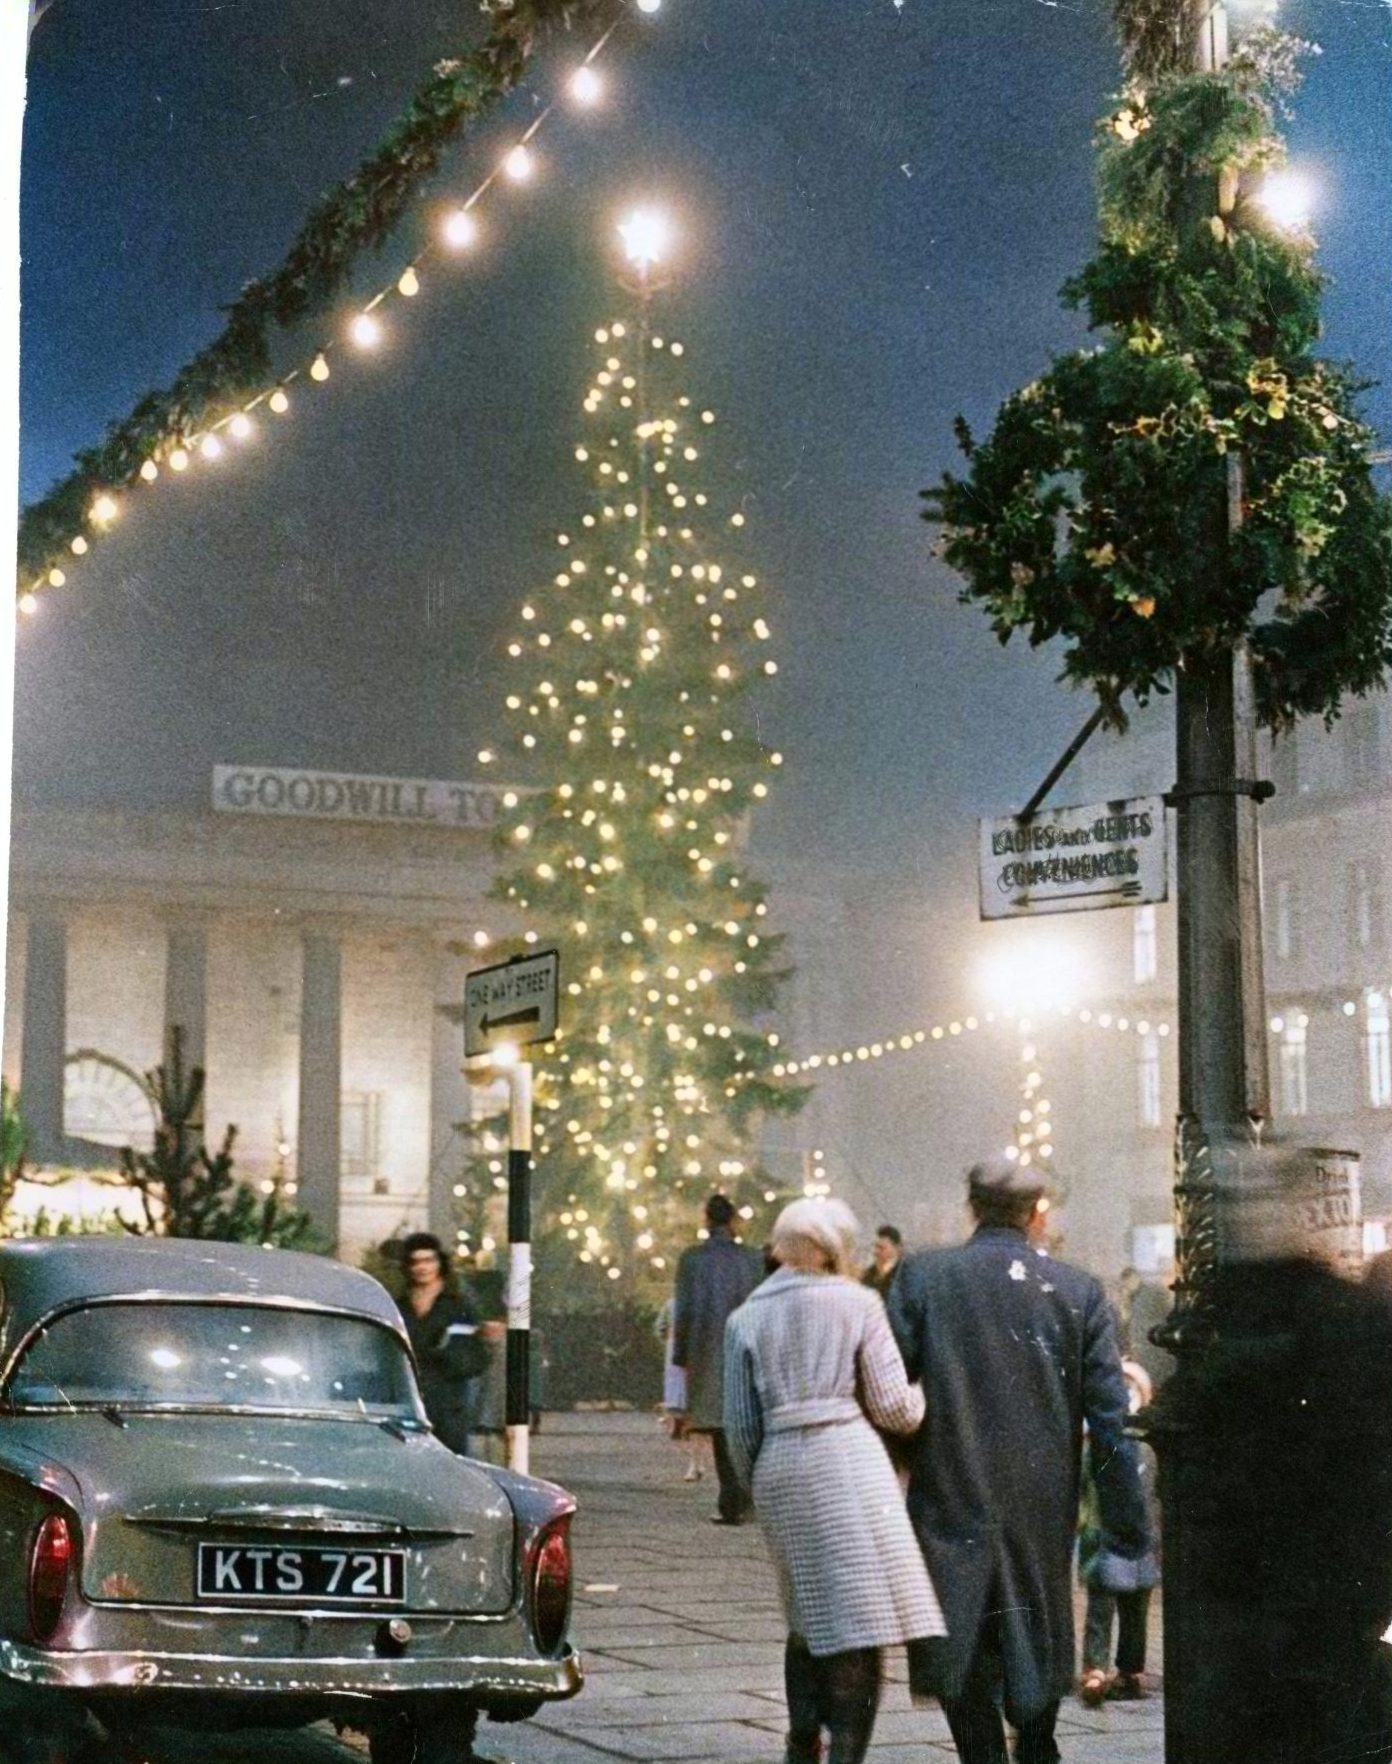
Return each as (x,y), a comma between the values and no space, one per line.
(878,202)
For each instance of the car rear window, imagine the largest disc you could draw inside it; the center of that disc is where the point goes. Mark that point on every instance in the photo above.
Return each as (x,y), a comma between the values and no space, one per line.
(166,1353)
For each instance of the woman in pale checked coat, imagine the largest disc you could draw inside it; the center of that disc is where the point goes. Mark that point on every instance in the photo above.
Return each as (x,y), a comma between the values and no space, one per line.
(810,1364)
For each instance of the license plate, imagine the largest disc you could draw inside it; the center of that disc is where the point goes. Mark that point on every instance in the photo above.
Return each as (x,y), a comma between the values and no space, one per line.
(306,1575)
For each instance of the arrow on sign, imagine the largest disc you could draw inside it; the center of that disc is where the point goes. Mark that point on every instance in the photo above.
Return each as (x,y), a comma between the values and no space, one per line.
(514,1020)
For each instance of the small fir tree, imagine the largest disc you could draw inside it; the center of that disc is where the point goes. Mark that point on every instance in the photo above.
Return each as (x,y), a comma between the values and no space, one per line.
(629,718)
(187,1191)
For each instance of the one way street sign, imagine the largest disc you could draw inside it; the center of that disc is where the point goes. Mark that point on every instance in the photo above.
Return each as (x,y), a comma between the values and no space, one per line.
(513,1003)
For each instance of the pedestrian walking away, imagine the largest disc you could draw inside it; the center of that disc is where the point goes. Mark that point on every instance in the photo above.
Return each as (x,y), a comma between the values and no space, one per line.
(1014,1351)
(812,1371)
(714,1278)
(448,1338)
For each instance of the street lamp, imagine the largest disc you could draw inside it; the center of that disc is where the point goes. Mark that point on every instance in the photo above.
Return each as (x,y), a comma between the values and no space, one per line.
(647,238)
(1288,196)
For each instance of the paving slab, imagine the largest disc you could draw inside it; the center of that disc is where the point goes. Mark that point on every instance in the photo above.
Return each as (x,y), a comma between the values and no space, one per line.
(684,1656)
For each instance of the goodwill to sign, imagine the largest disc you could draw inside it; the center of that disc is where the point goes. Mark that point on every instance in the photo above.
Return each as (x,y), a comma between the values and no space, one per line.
(341,796)
(1070,859)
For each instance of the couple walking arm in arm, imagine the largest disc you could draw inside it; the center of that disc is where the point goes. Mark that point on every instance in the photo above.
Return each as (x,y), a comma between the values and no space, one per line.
(1009,1352)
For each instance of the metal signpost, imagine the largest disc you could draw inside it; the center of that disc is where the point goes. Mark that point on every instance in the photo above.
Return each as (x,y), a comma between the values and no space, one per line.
(507,1007)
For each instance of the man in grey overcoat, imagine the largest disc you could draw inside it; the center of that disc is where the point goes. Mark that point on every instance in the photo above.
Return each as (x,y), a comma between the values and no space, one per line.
(1015,1351)
(714,1278)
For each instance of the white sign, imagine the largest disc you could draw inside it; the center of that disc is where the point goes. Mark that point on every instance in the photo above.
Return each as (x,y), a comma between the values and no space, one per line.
(343,796)
(1065,860)
(513,1002)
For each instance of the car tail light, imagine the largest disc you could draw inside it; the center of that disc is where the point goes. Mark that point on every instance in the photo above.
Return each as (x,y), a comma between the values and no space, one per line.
(549,1577)
(51,1564)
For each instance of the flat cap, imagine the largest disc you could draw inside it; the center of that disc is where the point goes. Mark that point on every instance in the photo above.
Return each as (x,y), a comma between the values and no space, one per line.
(1004,1176)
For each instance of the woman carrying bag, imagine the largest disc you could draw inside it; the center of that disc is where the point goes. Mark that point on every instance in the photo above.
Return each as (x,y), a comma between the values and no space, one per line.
(811,1371)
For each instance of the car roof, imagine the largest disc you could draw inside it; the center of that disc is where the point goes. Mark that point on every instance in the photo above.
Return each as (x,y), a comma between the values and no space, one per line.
(39,1276)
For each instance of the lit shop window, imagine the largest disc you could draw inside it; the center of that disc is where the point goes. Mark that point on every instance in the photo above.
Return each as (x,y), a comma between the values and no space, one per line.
(1144,945)
(1377,1050)
(1148,1080)
(1295,1096)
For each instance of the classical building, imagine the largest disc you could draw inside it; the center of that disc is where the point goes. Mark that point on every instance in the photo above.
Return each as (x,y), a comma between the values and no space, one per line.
(307,934)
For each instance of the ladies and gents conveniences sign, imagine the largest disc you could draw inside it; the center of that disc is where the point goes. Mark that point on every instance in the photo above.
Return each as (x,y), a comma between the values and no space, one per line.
(1066,860)
(343,796)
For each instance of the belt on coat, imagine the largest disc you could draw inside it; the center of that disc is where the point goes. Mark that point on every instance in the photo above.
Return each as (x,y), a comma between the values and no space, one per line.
(818,1412)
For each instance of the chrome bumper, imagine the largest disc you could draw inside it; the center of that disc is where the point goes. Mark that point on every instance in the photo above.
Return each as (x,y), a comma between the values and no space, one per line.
(484,1680)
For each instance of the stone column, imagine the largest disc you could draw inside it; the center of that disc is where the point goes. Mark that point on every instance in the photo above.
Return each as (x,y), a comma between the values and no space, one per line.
(44,1047)
(321,1079)
(186,989)
(449,1093)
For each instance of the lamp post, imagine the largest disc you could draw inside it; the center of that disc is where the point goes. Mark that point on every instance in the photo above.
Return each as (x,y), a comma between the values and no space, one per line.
(1224,1087)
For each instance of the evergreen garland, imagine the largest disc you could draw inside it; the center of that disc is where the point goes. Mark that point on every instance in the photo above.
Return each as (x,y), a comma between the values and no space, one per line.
(1095,513)
(357,216)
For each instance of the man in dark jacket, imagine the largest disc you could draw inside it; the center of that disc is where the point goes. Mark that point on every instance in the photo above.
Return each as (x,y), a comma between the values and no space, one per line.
(1015,1352)
(714,1278)
(448,1338)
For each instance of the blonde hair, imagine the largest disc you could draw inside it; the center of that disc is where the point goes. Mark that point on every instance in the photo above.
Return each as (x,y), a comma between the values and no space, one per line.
(827,1227)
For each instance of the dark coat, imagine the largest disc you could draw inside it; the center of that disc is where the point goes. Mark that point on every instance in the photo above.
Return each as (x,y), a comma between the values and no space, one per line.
(450,1358)
(714,1279)
(1014,1350)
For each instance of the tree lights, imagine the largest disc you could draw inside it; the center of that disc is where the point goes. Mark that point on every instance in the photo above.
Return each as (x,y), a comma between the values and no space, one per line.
(627,709)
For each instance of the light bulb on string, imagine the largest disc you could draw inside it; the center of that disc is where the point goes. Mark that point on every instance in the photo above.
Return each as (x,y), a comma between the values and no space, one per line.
(519,164)
(28,604)
(586,87)
(366,330)
(460,229)
(149,471)
(179,459)
(649,6)
(278,401)
(56,578)
(105,509)
(79,545)
(210,447)
(241,426)
(409,283)
(319,369)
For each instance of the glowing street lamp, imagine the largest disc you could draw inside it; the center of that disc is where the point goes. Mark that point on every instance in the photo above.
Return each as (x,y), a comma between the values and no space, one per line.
(1288,197)
(647,237)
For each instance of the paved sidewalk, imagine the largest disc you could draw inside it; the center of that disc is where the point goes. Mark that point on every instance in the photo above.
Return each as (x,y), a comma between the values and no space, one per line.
(682,1635)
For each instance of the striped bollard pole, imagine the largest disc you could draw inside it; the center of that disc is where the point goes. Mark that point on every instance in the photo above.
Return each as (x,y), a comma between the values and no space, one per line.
(518,1410)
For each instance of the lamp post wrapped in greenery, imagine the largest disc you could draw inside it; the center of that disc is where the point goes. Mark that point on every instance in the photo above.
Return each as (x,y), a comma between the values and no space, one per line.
(1189,506)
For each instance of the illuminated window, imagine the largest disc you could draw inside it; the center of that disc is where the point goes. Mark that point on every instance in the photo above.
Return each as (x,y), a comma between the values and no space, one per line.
(1148,1080)
(1287,918)
(1364,906)
(1144,945)
(1377,1050)
(1295,1098)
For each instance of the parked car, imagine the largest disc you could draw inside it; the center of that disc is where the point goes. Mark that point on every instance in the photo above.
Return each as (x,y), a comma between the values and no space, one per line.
(221,1505)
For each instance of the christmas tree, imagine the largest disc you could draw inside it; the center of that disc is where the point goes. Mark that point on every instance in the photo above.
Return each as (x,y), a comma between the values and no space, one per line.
(629,718)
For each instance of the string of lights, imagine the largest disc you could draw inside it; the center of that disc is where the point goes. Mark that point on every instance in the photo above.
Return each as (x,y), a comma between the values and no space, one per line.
(364,330)
(910,1041)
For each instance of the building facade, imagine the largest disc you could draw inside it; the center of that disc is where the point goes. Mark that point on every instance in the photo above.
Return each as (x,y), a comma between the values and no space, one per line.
(308,935)
(1326,847)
